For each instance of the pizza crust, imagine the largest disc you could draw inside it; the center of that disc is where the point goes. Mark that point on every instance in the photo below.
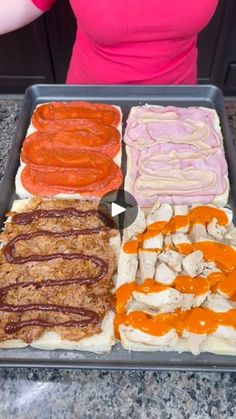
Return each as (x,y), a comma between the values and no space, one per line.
(220,346)
(98,343)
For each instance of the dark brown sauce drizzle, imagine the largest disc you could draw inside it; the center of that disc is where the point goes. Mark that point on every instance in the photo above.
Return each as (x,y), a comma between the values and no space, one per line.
(17,326)
(9,248)
(27,218)
(11,327)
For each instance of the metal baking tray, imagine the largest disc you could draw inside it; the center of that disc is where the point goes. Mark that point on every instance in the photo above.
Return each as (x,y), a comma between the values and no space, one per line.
(124,96)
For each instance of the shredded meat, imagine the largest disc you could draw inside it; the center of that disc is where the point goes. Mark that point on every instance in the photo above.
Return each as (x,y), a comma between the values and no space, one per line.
(96,296)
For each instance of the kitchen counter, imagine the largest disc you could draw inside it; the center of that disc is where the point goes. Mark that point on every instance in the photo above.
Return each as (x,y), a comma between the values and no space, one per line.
(53,393)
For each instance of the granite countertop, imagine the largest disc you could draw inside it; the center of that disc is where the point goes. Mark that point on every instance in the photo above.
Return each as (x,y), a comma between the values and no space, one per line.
(53,393)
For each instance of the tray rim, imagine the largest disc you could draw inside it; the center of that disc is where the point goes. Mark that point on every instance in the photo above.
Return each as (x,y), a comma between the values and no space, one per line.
(109,364)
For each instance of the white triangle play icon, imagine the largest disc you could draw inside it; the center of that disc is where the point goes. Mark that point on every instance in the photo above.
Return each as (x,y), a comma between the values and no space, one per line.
(116,209)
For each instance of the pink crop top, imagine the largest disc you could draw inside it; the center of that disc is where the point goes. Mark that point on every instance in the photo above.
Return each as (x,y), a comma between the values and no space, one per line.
(136,41)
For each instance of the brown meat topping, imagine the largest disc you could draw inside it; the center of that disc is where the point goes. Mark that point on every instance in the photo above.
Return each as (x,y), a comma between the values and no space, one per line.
(96,297)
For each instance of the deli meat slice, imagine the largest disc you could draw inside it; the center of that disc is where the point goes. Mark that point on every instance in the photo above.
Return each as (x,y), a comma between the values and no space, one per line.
(57,261)
(175,155)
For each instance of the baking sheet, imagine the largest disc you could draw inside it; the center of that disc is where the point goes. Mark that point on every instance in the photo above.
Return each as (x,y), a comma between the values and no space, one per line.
(125,97)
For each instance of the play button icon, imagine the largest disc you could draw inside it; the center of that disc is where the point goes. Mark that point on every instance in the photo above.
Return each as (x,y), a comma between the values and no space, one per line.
(116,209)
(120,206)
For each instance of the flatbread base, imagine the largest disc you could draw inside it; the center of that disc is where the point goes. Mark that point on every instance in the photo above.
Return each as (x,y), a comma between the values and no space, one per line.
(219,200)
(212,345)
(98,343)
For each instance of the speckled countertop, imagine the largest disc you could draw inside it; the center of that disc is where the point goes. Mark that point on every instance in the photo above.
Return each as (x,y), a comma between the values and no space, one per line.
(42,394)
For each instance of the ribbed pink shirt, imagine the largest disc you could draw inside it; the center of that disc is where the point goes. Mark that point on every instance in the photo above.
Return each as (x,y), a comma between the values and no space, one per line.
(136,41)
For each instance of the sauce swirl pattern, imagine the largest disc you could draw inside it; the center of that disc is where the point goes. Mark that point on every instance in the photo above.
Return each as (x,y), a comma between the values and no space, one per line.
(91,317)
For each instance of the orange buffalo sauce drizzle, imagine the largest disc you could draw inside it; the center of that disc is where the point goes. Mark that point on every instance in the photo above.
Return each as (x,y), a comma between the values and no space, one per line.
(197,320)
(183,283)
(205,214)
(226,285)
(197,215)
(166,227)
(223,255)
(131,246)
(188,285)
(153,325)
(124,292)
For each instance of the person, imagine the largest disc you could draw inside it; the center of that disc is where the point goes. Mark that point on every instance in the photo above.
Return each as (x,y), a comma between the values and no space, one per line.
(126,41)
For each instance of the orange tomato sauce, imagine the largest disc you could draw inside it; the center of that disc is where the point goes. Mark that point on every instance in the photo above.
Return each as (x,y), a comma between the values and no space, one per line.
(73,150)
(67,115)
(198,320)
(95,181)
(89,136)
